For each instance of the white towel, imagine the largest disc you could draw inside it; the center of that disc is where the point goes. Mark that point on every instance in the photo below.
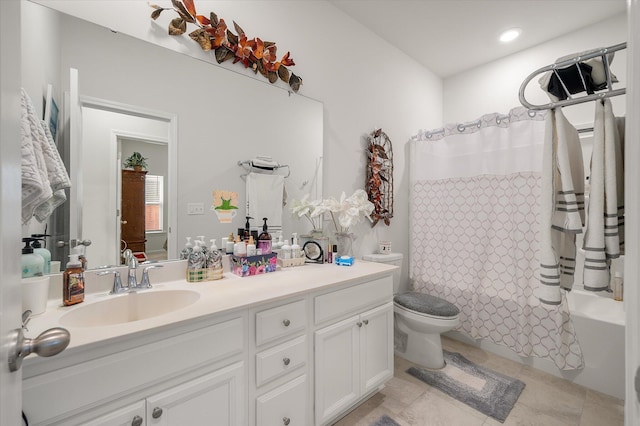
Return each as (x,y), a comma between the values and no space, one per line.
(36,188)
(562,206)
(57,175)
(265,196)
(601,242)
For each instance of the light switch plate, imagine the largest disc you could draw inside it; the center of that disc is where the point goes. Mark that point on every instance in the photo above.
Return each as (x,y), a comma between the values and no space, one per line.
(195,208)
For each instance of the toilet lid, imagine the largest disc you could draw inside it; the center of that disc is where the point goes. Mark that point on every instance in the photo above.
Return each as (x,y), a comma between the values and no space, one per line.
(426,304)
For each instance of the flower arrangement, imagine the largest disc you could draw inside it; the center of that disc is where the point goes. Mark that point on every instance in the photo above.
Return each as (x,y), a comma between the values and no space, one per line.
(346,212)
(212,34)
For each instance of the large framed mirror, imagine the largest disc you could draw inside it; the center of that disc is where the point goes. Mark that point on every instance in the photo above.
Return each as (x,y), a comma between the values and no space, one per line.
(220,118)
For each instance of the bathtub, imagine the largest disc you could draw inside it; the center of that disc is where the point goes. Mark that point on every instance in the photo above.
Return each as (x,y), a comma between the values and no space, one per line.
(599,324)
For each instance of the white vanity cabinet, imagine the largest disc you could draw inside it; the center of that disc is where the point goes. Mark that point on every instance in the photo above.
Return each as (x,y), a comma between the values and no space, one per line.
(280,393)
(299,347)
(354,355)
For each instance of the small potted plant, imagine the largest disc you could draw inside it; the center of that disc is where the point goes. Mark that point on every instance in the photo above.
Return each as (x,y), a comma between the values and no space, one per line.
(136,162)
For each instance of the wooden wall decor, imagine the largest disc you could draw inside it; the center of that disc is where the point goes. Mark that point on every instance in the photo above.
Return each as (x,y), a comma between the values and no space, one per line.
(380,176)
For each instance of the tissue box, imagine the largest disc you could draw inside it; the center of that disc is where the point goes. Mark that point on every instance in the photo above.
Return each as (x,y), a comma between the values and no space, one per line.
(253,265)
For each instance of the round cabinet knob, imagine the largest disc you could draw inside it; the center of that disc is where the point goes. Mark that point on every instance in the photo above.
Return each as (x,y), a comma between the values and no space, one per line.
(137,421)
(366,322)
(286,421)
(359,324)
(124,222)
(156,413)
(286,361)
(286,323)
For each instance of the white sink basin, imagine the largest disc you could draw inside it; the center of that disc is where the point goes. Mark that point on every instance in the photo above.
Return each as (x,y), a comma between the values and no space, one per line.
(129,307)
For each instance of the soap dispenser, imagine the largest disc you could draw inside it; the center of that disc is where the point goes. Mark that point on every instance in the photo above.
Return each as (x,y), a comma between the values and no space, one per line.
(264,239)
(32,264)
(247,229)
(214,262)
(186,251)
(73,282)
(41,251)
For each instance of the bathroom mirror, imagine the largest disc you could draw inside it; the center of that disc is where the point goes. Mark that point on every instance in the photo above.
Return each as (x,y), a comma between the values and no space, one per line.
(221,118)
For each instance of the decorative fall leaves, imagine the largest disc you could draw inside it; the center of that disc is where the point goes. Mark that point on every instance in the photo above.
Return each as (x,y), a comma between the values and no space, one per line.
(213,34)
(380,176)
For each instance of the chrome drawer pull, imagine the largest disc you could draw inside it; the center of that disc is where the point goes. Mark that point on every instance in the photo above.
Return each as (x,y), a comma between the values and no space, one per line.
(286,323)
(157,412)
(286,361)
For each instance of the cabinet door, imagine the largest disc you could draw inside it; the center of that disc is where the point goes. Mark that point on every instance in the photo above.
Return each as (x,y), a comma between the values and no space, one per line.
(337,368)
(285,405)
(376,346)
(131,415)
(218,398)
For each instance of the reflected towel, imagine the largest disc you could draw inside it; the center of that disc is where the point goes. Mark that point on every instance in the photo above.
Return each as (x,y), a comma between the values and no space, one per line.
(36,188)
(57,175)
(265,196)
(601,242)
(562,206)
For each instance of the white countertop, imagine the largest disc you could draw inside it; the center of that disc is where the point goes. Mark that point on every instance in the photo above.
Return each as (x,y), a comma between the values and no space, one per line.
(215,297)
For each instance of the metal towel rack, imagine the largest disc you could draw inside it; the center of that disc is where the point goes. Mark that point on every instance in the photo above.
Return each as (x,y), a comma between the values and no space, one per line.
(249,166)
(606,93)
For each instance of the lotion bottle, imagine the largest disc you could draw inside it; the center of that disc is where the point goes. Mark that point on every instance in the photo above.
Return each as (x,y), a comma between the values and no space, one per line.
(251,247)
(295,247)
(229,247)
(73,282)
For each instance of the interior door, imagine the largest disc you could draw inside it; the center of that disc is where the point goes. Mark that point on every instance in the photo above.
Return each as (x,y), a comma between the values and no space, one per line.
(10,199)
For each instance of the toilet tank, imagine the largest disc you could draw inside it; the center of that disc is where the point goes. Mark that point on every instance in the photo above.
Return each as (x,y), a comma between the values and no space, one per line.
(391,259)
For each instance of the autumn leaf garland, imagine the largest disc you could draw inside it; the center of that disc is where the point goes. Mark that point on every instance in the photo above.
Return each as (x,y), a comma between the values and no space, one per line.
(213,34)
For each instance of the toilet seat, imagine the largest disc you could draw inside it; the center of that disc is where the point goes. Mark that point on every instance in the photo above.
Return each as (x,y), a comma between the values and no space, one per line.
(426,305)
(426,318)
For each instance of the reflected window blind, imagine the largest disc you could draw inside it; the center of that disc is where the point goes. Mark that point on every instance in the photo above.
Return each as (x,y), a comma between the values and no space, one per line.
(154,198)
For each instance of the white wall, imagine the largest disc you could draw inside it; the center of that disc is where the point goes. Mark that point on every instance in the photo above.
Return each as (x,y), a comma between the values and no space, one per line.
(363,82)
(494,87)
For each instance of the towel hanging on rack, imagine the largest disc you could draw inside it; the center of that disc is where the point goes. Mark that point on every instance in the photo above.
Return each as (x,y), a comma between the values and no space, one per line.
(265,198)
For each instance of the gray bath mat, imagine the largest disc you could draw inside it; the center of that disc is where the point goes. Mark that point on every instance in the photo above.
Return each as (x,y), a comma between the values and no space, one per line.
(385,421)
(488,391)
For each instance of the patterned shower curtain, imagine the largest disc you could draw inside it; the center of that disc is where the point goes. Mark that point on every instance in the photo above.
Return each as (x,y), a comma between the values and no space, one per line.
(475,193)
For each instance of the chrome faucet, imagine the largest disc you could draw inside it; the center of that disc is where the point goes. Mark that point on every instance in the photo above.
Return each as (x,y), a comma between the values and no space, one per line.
(117,283)
(132,263)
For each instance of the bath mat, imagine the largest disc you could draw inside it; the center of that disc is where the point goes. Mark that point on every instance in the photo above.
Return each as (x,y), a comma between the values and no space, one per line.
(385,421)
(488,391)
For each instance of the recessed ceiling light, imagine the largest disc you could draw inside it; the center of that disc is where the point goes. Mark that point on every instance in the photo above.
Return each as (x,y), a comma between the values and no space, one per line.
(510,35)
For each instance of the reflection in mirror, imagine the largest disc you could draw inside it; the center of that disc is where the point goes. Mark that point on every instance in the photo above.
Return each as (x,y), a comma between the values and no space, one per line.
(220,118)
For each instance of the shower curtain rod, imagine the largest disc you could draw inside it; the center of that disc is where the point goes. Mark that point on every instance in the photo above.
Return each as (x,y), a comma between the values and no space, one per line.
(461,127)
(573,61)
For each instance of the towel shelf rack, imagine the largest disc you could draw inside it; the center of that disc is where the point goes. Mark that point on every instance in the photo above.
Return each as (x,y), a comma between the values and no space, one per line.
(605,93)
(250,166)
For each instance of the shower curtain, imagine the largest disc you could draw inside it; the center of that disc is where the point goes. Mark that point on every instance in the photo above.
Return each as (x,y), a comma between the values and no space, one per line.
(475,193)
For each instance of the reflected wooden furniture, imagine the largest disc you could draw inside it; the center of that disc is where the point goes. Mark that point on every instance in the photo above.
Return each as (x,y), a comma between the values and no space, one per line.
(132,220)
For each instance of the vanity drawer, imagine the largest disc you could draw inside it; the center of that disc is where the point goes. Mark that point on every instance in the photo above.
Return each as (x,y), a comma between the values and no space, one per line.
(280,360)
(352,299)
(285,405)
(280,321)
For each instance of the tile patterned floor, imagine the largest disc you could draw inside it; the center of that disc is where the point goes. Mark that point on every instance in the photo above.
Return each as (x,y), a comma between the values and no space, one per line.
(545,401)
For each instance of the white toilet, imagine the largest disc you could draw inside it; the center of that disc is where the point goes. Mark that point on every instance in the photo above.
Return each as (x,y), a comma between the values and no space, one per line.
(419,319)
